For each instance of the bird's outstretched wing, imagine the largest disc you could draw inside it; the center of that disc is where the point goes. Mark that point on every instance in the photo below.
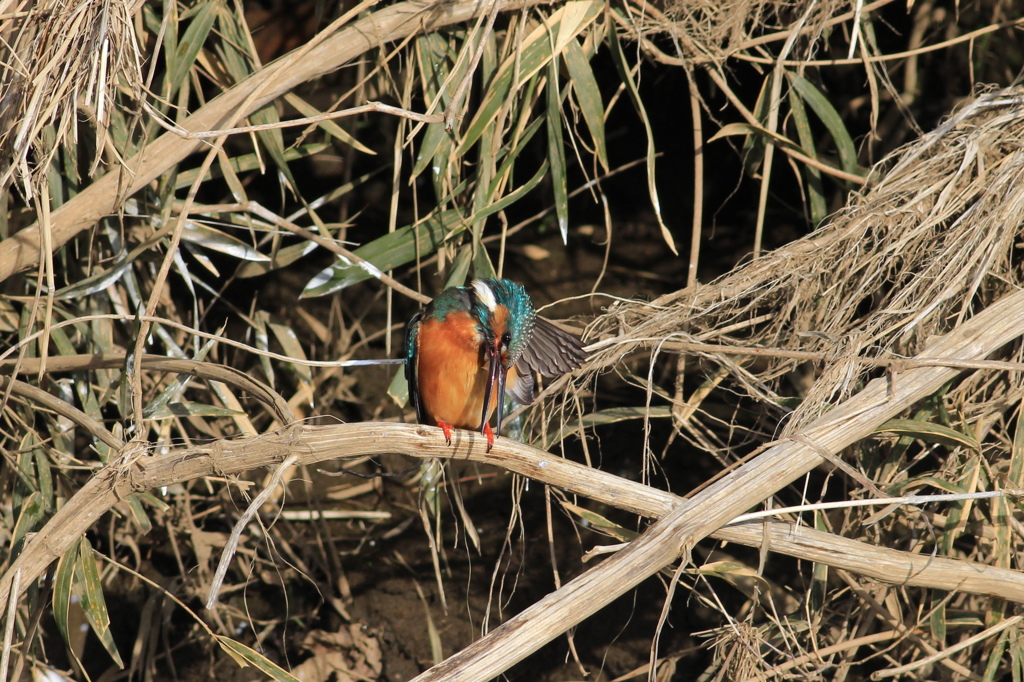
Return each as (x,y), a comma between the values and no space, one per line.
(552,352)
(411,334)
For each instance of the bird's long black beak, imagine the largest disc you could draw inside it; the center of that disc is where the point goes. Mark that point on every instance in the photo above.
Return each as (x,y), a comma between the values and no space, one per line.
(502,376)
(494,372)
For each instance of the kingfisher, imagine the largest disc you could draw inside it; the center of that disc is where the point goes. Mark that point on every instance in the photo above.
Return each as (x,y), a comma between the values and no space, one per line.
(473,344)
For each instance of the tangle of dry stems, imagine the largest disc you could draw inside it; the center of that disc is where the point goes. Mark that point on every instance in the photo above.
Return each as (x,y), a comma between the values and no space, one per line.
(932,240)
(61,59)
(912,256)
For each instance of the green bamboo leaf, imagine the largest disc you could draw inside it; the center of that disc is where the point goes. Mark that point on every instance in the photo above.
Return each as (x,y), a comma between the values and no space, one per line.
(175,389)
(995,657)
(63,580)
(247,162)
(398,389)
(509,159)
(815,188)
(81,385)
(215,240)
(729,569)
(746,129)
(284,257)
(329,126)
(182,267)
(292,347)
(189,409)
(387,252)
(94,605)
(753,147)
(26,478)
(31,514)
(556,151)
(260,320)
(234,184)
(619,57)
(273,141)
(434,58)
(181,57)
(817,595)
(240,65)
(44,476)
(405,244)
(482,265)
(139,514)
(614,415)
(921,481)
(101,280)
(8,315)
(245,657)
(517,194)
(930,433)
(1016,655)
(832,120)
(1015,473)
(533,55)
(588,96)
(959,512)
(483,175)
(431,487)
(460,267)
(600,523)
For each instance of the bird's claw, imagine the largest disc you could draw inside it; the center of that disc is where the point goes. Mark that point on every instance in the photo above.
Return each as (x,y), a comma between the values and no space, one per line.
(490,436)
(447,428)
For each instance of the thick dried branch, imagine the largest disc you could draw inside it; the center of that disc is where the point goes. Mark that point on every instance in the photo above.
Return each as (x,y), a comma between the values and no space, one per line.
(203,370)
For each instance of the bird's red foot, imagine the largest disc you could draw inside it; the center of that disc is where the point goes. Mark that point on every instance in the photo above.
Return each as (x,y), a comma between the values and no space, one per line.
(490,436)
(447,428)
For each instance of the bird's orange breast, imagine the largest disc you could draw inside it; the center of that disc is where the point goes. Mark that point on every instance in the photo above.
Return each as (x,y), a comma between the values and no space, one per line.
(451,371)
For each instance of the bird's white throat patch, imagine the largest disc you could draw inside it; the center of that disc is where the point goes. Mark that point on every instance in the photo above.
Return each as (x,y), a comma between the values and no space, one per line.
(485,294)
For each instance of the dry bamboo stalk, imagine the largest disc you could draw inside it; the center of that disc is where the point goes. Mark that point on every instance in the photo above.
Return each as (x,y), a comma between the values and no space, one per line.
(102,197)
(317,444)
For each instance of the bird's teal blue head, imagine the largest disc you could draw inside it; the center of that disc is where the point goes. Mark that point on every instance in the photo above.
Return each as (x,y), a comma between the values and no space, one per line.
(505,317)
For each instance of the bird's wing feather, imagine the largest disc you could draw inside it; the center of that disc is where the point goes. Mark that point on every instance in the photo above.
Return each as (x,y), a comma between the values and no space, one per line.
(522,392)
(553,352)
(411,351)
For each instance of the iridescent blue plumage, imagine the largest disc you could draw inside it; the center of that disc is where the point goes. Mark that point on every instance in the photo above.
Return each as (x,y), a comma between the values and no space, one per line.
(521,317)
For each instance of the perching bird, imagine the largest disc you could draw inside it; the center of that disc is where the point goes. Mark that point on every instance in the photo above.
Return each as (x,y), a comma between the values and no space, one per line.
(472,344)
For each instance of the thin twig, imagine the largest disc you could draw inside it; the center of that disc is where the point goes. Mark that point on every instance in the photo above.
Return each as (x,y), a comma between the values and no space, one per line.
(12,616)
(63,408)
(369,107)
(236,533)
(878,501)
(946,653)
(334,247)
(206,335)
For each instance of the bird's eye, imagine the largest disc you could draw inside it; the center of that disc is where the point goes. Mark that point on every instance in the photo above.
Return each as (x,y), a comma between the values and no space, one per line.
(506,339)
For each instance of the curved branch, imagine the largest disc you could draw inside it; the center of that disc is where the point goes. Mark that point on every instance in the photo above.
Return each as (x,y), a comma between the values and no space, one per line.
(202,370)
(63,408)
(312,444)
